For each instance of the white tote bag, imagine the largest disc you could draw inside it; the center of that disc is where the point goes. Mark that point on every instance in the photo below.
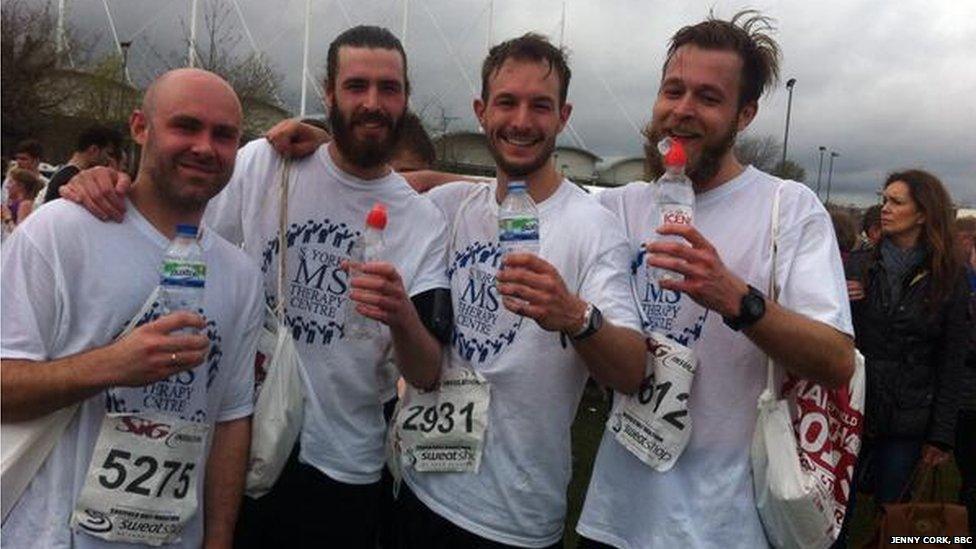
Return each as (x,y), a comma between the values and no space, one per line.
(280,405)
(804,449)
(25,445)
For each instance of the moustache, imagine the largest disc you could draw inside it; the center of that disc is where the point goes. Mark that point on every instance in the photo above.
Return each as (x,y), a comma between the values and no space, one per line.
(371,118)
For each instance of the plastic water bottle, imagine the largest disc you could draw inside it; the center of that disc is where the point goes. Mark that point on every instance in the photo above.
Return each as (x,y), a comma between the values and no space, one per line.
(368,247)
(675,196)
(183,274)
(518,221)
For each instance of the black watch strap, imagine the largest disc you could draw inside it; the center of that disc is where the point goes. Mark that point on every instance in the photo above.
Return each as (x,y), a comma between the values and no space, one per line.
(593,321)
(751,309)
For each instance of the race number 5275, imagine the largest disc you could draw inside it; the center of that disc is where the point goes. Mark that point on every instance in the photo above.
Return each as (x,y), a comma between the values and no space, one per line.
(145,475)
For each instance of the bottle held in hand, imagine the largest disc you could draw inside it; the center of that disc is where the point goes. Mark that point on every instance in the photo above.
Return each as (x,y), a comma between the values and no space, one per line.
(183,274)
(368,247)
(518,221)
(675,197)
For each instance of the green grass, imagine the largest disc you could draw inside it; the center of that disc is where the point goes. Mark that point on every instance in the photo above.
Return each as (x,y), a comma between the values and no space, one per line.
(588,429)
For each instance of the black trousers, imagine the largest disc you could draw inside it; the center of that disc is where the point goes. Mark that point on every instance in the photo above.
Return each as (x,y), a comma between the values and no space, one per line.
(415,526)
(587,543)
(306,509)
(966,461)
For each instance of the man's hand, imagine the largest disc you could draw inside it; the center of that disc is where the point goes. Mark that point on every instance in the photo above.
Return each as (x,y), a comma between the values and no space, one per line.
(855,290)
(425,180)
(933,456)
(707,281)
(100,190)
(293,139)
(532,287)
(152,352)
(379,293)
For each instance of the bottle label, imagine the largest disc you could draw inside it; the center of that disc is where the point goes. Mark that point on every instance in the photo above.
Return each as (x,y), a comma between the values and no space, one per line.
(675,214)
(184,273)
(518,229)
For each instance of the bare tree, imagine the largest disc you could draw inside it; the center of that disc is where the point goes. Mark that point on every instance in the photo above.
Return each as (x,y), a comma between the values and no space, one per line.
(790,170)
(253,76)
(29,57)
(763,151)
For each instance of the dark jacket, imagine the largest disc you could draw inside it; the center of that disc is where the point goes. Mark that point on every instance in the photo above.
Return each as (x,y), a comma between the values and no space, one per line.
(914,356)
(969,394)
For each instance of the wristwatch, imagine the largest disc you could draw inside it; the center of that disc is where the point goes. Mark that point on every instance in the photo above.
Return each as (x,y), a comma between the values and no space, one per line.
(751,309)
(592,322)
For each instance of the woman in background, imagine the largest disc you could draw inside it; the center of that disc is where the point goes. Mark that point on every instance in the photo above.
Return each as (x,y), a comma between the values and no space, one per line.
(910,320)
(20,198)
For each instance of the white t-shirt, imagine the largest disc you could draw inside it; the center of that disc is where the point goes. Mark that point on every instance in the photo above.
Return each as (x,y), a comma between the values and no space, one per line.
(536,377)
(71,284)
(346,382)
(706,500)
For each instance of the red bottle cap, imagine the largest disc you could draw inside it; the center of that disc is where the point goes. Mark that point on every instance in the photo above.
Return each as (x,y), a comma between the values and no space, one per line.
(376,218)
(676,154)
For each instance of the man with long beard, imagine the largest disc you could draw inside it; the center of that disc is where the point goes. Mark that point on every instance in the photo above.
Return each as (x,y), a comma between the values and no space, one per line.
(330,496)
(713,77)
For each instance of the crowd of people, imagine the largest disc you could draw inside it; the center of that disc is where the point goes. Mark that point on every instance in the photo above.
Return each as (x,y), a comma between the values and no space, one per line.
(503,344)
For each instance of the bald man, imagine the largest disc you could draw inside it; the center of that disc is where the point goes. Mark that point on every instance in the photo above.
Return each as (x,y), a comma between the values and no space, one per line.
(156,447)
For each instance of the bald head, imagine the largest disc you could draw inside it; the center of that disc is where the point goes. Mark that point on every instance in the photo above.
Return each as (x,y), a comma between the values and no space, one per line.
(185,82)
(189,128)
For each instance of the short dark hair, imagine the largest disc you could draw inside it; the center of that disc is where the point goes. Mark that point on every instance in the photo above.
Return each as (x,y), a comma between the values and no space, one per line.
(100,136)
(415,140)
(29,180)
(364,36)
(872,217)
(845,229)
(747,34)
(528,47)
(32,147)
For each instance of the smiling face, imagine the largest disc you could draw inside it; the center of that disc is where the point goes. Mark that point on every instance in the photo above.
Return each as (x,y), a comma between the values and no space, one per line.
(698,102)
(189,129)
(522,116)
(366,104)
(900,214)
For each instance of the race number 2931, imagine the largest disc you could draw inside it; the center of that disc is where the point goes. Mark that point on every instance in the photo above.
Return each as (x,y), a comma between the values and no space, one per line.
(443,430)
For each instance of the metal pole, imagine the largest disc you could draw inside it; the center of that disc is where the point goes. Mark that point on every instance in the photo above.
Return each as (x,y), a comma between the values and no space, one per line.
(820,168)
(562,25)
(308,12)
(191,54)
(830,174)
(403,30)
(491,17)
(60,46)
(786,136)
(125,59)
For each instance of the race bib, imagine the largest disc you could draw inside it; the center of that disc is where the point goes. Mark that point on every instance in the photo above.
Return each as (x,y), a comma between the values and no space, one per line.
(141,486)
(443,430)
(654,424)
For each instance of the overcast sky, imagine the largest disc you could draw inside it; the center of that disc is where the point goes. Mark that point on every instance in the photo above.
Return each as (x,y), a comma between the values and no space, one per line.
(886,84)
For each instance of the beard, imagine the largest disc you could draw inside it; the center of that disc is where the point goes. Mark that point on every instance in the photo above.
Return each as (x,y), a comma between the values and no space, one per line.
(181,193)
(701,169)
(521,169)
(365,153)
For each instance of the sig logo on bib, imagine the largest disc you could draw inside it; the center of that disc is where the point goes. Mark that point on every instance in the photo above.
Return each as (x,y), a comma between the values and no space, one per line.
(141,484)
(142,427)
(654,424)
